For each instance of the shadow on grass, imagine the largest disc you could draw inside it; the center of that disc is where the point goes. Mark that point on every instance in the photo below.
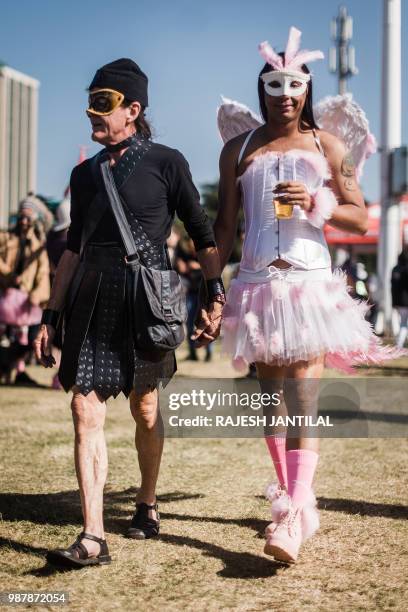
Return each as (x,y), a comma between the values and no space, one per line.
(27,549)
(237,564)
(64,508)
(360,507)
(363,508)
(32,388)
(348,506)
(253,523)
(360,414)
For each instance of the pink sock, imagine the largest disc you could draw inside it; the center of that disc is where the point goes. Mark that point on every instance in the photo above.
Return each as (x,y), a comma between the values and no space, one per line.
(301,466)
(277,449)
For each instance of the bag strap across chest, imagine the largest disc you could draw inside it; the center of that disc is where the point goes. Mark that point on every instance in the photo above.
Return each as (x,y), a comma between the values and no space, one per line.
(118,212)
(135,240)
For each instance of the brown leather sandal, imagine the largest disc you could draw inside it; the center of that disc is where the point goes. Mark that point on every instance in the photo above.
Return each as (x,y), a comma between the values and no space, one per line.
(77,555)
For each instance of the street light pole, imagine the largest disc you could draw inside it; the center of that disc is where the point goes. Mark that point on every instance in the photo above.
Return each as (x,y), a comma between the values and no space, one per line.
(390,228)
(342,56)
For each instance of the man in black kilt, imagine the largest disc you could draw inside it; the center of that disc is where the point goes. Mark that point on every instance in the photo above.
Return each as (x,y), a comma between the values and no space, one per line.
(99,358)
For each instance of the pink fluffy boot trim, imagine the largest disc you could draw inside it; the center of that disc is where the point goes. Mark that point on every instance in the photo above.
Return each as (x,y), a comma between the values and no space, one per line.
(282,504)
(310,518)
(280,501)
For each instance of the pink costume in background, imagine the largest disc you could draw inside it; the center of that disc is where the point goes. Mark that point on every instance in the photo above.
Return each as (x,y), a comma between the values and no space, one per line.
(17,311)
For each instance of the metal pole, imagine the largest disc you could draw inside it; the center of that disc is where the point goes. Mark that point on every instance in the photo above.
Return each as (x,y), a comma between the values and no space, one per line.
(342,49)
(390,227)
(342,55)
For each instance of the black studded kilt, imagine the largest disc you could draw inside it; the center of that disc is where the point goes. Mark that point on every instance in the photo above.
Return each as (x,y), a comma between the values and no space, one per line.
(98,352)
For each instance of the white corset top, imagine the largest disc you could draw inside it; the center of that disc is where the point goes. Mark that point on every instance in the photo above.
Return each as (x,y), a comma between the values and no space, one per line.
(267,238)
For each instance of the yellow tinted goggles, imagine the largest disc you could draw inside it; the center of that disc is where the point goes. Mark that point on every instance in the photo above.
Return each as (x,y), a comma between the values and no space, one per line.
(104,101)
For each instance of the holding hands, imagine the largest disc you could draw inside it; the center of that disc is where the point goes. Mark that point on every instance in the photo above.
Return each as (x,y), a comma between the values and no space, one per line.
(208,324)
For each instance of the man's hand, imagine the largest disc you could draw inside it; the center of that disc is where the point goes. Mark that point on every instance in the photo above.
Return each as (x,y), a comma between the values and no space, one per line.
(209,324)
(43,346)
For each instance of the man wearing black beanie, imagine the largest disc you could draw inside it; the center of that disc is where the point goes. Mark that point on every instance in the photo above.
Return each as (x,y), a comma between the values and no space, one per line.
(99,357)
(125,76)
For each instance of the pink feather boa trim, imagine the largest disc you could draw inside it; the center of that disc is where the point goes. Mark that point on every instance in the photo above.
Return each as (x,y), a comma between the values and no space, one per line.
(281,504)
(324,204)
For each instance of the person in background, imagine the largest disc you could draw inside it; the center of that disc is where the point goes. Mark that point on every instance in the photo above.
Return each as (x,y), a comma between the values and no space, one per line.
(399,291)
(57,236)
(24,285)
(56,245)
(350,268)
(373,298)
(188,266)
(44,217)
(172,242)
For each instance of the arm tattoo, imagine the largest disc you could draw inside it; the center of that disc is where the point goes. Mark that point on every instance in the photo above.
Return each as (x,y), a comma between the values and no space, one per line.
(347,165)
(348,171)
(350,185)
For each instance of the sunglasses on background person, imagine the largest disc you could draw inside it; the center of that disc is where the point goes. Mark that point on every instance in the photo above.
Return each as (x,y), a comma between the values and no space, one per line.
(104,101)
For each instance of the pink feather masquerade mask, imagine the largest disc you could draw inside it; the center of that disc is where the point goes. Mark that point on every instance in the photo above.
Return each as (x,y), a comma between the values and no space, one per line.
(287,78)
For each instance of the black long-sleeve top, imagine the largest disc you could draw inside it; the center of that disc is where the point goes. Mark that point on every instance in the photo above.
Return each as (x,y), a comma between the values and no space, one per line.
(159,187)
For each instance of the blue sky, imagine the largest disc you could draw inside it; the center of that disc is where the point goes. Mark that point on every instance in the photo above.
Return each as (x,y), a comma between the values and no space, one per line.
(192,52)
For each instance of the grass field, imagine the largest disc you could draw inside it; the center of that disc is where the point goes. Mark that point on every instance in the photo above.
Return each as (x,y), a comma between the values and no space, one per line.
(209,555)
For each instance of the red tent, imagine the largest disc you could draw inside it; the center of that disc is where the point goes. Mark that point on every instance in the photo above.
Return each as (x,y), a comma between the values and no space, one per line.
(335,236)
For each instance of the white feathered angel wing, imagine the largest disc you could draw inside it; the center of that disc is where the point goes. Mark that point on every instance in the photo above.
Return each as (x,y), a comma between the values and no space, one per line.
(234,118)
(339,115)
(343,117)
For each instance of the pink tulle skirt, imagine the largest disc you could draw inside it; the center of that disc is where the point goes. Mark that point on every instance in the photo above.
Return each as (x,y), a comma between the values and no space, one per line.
(15,309)
(294,315)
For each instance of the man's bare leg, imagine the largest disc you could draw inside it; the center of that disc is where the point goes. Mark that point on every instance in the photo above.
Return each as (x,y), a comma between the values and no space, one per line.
(91,461)
(149,443)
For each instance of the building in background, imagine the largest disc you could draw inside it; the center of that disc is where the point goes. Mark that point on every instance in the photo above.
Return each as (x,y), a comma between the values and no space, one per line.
(18,139)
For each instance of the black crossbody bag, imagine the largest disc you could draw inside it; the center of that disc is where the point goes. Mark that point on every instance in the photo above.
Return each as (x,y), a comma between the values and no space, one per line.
(157,303)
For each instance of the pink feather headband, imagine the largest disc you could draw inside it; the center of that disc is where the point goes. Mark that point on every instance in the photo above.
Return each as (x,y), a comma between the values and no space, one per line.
(294,58)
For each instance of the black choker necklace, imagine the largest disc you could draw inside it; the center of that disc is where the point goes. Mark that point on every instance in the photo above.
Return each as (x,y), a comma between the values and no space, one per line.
(122,145)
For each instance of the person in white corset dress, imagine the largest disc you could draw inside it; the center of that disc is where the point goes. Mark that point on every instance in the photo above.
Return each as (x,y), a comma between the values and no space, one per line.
(286,310)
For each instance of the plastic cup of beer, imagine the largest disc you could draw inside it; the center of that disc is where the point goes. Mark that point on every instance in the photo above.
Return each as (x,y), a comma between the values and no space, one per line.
(283,209)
